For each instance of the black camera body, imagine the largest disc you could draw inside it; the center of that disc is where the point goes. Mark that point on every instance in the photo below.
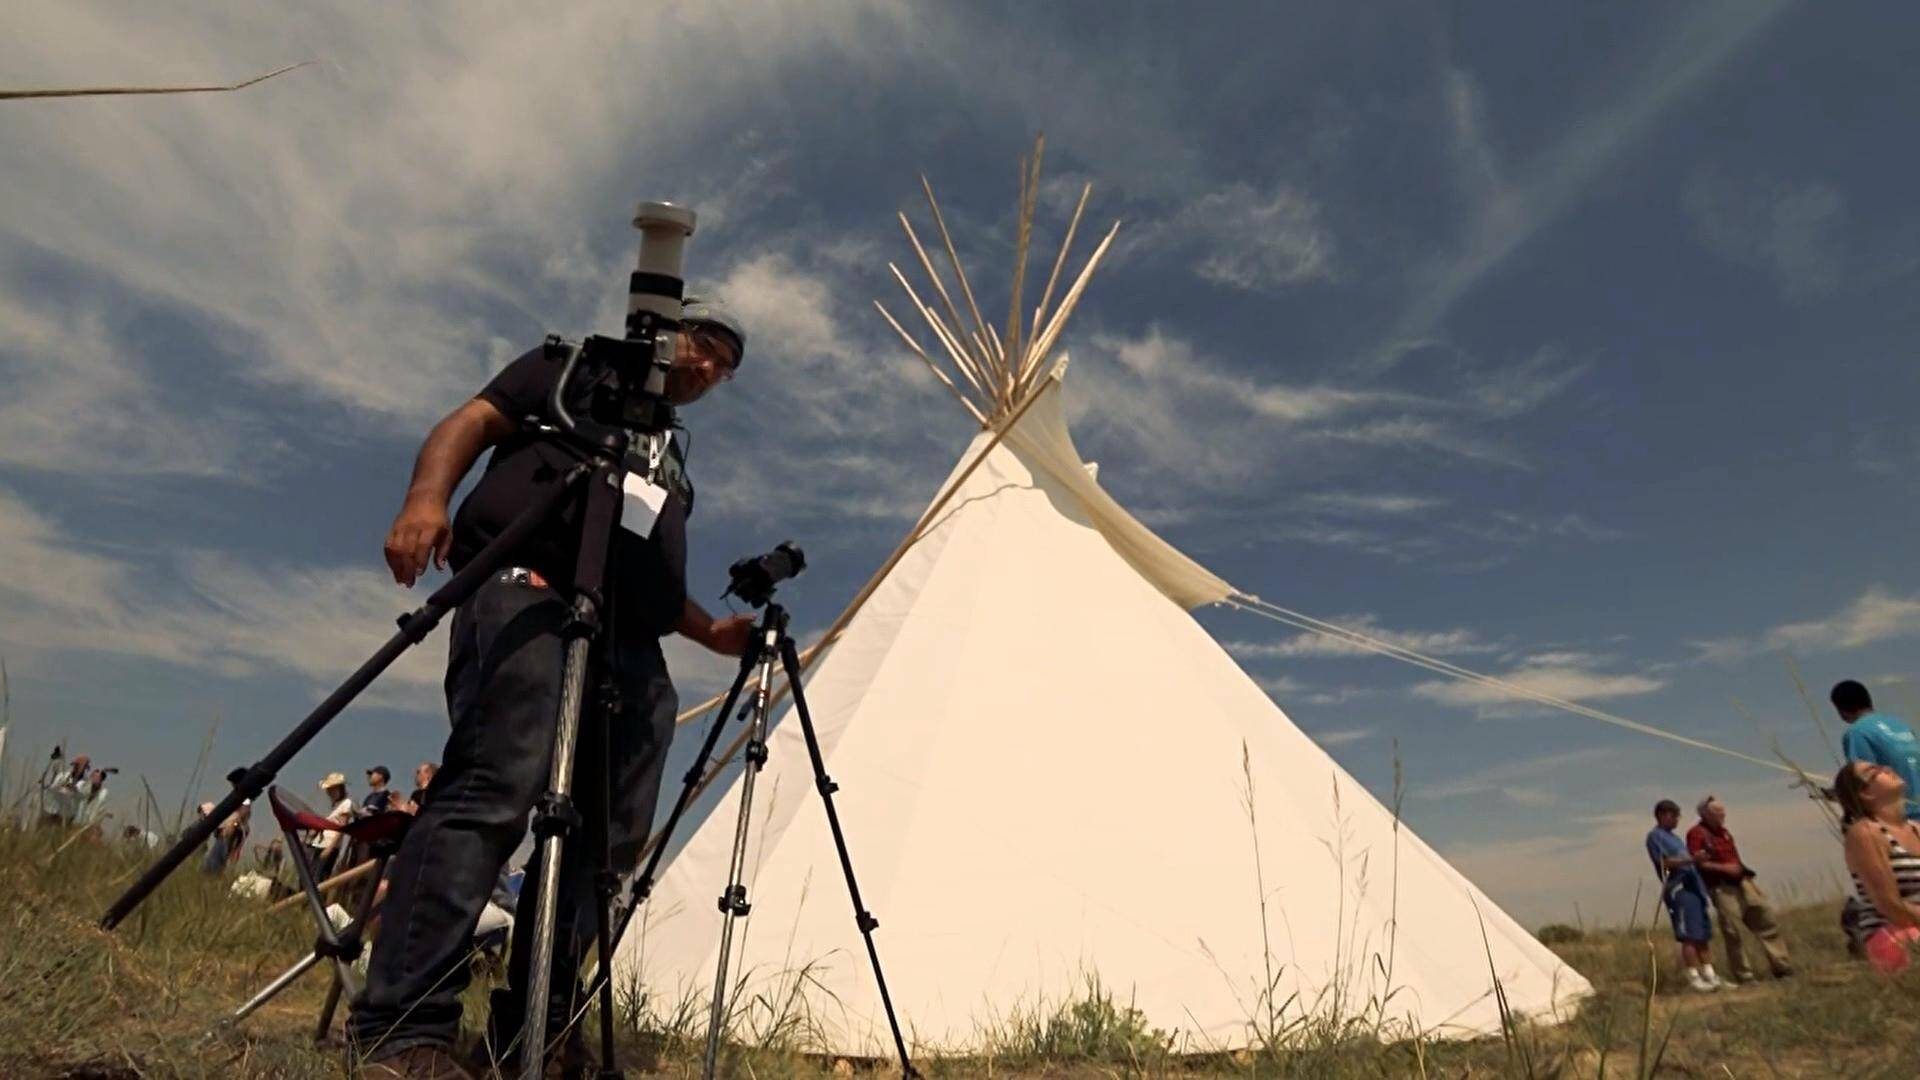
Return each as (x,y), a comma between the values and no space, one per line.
(753,579)
(620,371)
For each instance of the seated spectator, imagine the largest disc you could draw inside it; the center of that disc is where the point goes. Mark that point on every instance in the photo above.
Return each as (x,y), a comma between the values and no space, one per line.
(422,779)
(379,800)
(326,845)
(1685,895)
(1883,856)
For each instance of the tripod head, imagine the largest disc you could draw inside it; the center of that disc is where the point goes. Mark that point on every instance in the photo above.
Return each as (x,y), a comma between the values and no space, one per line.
(628,375)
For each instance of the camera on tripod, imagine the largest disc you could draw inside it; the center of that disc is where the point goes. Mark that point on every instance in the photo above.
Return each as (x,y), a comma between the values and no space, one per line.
(753,580)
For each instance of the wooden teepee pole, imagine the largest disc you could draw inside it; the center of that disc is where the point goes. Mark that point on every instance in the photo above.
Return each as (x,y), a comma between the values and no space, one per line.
(1023,236)
(965,362)
(959,272)
(931,366)
(1044,343)
(1059,261)
(939,287)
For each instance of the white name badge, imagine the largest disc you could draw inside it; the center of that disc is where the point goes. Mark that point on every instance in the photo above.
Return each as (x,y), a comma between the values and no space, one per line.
(640,504)
(641,500)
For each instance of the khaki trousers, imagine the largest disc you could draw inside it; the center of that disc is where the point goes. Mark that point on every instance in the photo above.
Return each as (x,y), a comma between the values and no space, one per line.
(1744,904)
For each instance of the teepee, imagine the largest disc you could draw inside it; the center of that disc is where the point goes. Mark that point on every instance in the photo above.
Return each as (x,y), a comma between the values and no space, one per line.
(1050,774)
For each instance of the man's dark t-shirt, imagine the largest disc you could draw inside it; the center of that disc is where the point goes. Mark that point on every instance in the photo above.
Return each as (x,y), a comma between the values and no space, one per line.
(646,578)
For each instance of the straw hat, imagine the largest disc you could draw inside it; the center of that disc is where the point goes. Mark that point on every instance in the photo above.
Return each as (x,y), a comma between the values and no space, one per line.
(333,779)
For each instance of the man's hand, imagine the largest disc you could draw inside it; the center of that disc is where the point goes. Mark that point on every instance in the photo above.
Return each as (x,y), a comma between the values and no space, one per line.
(420,534)
(729,636)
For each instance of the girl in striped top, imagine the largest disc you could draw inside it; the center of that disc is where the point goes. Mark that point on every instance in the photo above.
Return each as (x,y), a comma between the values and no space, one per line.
(1883,855)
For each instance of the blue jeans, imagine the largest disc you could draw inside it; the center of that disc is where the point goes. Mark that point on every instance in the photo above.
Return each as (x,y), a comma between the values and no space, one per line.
(503,694)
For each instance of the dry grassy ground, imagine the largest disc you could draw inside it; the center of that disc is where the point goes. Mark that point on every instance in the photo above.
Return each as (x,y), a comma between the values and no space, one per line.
(76,1002)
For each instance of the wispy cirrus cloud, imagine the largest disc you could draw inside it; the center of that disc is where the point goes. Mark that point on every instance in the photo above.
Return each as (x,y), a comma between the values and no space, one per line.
(1527,782)
(1258,240)
(79,400)
(1458,641)
(362,231)
(1342,736)
(1876,615)
(1511,205)
(1790,231)
(225,616)
(1158,395)
(1552,674)
(1370,504)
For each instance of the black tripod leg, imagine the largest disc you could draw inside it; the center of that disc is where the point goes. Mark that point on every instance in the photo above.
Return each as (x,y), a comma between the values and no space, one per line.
(642,886)
(557,816)
(249,782)
(821,781)
(327,1010)
(606,886)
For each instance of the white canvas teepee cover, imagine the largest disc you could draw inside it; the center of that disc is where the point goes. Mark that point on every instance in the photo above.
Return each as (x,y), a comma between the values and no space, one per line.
(1041,760)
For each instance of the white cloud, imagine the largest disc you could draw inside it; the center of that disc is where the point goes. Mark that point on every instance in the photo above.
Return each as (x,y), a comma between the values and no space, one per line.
(1370,504)
(1507,212)
(224,615)
(1454,642)
(1477,169)
(1249,239)
(1793,232)
(1156,395)
(1522,781)
(1569,681)
(1414,433)
(1279,684)
(235,617)
(1563,658)
(1509,528)
(363,229)
(1877,615)
(78,401)
(1342,736)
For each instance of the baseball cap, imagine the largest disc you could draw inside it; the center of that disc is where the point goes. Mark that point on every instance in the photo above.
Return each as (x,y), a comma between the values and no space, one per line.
(711,311)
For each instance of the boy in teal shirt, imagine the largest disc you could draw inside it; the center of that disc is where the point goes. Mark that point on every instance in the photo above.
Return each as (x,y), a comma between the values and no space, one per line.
(1878,738)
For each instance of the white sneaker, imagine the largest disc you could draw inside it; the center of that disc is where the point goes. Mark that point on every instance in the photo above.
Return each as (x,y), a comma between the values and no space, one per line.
(1700,985)
(1713,979)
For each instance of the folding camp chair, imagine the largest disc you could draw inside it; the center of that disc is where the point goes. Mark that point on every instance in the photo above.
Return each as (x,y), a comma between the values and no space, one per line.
(381,833)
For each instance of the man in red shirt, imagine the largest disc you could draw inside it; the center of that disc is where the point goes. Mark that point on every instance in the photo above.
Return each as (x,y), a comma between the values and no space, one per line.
(1736,896)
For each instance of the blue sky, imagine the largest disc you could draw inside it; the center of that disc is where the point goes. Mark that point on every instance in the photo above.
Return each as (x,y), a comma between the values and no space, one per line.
(1573,346)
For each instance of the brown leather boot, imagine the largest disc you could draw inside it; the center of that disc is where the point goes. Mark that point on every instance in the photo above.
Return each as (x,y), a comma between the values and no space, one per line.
(417,1063)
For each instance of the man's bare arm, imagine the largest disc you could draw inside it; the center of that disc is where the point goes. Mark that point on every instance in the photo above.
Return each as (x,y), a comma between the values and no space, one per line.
(727,636)
(421,532)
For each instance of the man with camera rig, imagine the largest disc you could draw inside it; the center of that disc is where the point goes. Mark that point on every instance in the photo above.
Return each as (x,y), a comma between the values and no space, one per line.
(503,693)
